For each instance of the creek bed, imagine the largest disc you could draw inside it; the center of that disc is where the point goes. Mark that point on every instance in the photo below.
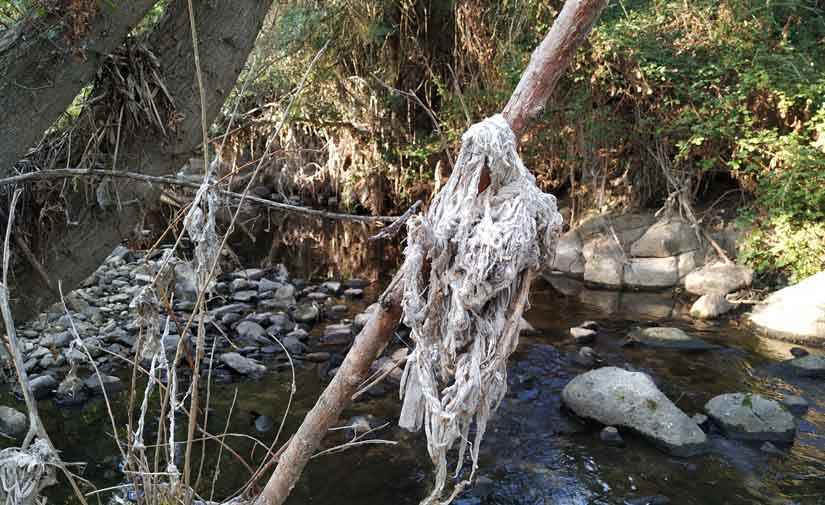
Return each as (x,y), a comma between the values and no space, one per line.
(534,452)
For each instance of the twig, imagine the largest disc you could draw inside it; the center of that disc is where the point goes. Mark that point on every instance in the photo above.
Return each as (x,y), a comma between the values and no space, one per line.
(395,227)
(63,173)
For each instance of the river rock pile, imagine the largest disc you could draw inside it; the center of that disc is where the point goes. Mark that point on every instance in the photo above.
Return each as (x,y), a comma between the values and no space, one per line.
(255,316)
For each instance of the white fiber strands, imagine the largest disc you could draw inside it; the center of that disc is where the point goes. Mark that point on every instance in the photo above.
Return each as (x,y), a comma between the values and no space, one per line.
(480,248)
(25,472)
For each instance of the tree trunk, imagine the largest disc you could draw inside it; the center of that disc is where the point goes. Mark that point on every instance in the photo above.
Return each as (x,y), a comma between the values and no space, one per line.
(45,62)
(547,64)
(227,30)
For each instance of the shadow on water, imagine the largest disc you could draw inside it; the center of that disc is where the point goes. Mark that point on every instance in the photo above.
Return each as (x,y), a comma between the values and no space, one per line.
(534,453)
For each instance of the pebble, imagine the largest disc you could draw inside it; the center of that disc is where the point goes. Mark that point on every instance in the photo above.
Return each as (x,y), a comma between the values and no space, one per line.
(583,335)
(610,435)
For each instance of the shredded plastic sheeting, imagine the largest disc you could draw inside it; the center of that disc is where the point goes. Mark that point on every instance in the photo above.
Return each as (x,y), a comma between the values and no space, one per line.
(479,247)
(25,472)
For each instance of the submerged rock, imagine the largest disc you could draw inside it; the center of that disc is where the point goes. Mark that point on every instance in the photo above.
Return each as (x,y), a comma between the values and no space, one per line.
(806,366)
(710,306)
(242,365)
(667,338)
(616,397)
(306,313)
(795,404)
(748,416)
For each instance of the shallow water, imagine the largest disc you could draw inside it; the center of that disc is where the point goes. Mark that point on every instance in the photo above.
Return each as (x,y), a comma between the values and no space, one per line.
(534,453)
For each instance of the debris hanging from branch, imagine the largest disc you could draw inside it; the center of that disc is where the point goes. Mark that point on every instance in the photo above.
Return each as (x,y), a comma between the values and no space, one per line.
(470,257)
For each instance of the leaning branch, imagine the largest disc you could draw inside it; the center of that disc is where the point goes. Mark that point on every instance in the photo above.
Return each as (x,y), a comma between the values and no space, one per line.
(64,173)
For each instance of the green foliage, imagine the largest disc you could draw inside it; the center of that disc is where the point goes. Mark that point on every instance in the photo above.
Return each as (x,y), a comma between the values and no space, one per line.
(731,90)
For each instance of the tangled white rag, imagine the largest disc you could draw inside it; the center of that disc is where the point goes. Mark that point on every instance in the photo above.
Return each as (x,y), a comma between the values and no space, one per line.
(480,248)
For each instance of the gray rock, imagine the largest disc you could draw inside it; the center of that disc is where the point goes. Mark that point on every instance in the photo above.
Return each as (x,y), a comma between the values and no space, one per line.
(337,334)
(719,278)
(806,301)
(242,365)
(293,345)
(250,329)
(71,391)
(265,285)
(795,404)
(231,317)
(806,366)
(231,308)
(186,283)
(241,285)
(252,274)
(649,500)
(604,262)
(583,335)
(569,258)
(748,416)
(616,397)
(611,436)
(354,293)
(317,296)
(42,386)
(306,313)
(50,361)
(61,339)
(586,357)
(665,238)
(356,283)
(331,287)
(13,422)
(112,384)
(701,420)
(799,352)
(651,272)
(280,323)
(667,338)
(710,306)
(298,333)
(245,296)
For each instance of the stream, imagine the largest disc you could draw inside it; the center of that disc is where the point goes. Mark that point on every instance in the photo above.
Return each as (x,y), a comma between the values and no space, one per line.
(534,451)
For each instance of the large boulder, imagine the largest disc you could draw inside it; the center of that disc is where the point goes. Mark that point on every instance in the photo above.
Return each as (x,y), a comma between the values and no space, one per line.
(617,397)
(718,278)
(806,301)
(604,262)
(748,416)
(669,237)
(651,272)
(666,338)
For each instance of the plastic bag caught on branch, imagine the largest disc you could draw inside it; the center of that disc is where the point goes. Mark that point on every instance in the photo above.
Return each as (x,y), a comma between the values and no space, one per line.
(480,248)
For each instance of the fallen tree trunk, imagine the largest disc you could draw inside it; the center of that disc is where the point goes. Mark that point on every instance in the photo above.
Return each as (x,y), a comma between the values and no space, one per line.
(46,60)
(547,64)
(74,250)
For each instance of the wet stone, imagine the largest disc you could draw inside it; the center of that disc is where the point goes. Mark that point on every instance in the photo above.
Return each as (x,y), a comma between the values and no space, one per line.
(42,386)
(317,357)
(245,296)
(250,329)
(795,404)
(799,352)
(748,416)
(356,283)
(354,293)
(583,335)
(252,274)
(610,435)
(331,287)
(666,338)
(232,307)
(317,296)
(306,313)
(232,317)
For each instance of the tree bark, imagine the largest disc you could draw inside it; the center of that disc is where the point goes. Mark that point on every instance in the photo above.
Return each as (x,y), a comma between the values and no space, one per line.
(73,252)
(549,61)
(547,64)
(44,64)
